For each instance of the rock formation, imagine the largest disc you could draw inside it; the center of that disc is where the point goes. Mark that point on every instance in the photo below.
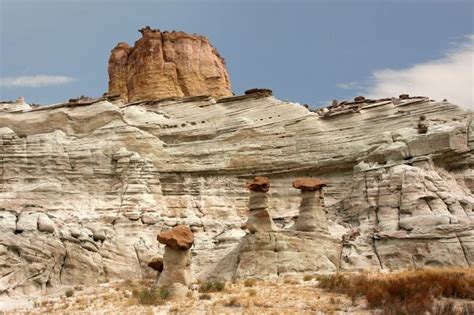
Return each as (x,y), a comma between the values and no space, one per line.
(86,185)
(311,215)
(167,64)
(259,219)
(176,275)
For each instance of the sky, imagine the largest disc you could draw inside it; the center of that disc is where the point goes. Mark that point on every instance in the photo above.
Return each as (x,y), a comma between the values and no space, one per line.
(305,51)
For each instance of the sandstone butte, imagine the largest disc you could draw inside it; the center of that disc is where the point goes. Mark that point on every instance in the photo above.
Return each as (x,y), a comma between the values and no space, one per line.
(167,64)
(85,186)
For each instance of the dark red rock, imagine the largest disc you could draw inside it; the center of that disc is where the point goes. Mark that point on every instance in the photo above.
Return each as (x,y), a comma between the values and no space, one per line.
(180,237)
(156,264)
(260,183)
(309,184)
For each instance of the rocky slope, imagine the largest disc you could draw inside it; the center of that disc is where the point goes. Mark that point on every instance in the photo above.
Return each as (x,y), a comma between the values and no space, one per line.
(167,64)
(86,186)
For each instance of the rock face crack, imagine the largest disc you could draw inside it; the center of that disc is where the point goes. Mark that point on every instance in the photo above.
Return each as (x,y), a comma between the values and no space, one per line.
(464,251)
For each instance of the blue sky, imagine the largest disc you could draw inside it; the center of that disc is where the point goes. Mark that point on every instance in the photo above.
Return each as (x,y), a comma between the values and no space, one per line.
(305,51)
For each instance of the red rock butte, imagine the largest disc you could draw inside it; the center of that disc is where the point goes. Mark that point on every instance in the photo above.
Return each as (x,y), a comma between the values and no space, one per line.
(167,64)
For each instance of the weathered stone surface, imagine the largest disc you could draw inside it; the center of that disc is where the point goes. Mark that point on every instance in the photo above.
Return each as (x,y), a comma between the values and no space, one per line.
(188,162)
(180,238)
(167,64)
(269,255)
(407,219)
(118,69)
(311,215)
(258,200)
(309,184)
(177,274)
(45,224)
(260,221)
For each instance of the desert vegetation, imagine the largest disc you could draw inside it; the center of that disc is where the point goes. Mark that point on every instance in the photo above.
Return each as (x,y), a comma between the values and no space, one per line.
(445,291)
(407,292)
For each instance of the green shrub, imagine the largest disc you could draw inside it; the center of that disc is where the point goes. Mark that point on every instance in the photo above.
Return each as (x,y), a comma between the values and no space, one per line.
(211,286)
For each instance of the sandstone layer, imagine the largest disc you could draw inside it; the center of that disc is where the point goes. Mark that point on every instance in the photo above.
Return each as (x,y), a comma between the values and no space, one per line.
(85,187)
(167,64)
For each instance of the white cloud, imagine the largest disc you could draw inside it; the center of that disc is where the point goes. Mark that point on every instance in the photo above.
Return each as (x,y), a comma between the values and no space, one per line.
(34,81)
(451,77)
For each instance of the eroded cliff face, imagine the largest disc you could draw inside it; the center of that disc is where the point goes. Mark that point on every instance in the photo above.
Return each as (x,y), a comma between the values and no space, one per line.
(167,64)
(86,187)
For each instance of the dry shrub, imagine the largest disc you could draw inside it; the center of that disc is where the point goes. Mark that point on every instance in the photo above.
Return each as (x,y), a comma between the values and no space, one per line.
(444,308)
(409,292)
(204,296)
(151,296)
(250,282)
(233,302)
(252,292)
(211,286)
(69,292)
(468,309)
(308,277)
(290,281)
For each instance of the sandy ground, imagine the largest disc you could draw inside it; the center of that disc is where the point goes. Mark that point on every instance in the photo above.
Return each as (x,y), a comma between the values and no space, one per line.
(263,297)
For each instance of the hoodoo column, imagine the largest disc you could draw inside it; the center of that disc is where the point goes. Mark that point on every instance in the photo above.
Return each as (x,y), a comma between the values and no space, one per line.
(311,216)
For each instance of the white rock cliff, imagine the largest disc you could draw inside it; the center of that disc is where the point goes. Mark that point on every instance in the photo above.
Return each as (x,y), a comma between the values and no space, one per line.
(86,187)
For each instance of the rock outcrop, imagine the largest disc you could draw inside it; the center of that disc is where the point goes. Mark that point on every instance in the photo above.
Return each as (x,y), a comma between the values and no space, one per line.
(167,64)
(109,177)
(176,275)
(259,219)
(312,215)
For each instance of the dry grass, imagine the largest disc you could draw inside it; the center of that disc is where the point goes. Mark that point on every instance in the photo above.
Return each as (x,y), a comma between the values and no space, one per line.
(409,292)
(250,282)
(211,286)
(151,296)
(262,297)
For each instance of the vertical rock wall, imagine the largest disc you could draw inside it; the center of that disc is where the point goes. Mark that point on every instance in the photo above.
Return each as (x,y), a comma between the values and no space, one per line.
(167,64)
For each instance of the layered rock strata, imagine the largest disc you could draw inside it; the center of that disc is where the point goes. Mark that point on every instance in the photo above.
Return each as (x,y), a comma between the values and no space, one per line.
(109,177)
(167,64)
(273,254)
(259,219)
(176,275)
(312,217)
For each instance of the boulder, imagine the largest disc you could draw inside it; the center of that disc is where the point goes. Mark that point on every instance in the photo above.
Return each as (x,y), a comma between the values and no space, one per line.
(180,238)
(45,224)
(260,184)
(156,264)
(309,184)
